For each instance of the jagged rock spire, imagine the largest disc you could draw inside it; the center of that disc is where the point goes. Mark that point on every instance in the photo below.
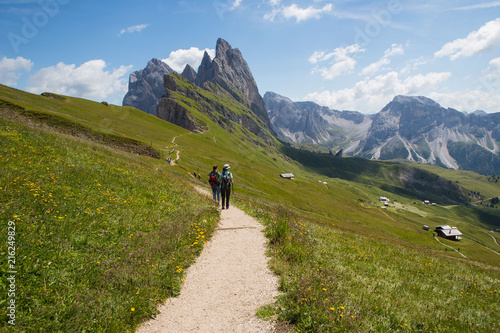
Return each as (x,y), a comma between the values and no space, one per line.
(231,71)
(189,73)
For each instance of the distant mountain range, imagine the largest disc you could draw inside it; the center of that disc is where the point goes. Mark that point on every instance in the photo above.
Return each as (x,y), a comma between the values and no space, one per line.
(413,128)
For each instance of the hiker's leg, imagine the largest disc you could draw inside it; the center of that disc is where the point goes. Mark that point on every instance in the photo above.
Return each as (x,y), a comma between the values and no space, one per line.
(223,192)
(214,193)
(218,193)
(228,193)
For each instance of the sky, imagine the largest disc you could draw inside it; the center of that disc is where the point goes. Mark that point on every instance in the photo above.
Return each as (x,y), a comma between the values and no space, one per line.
(345,54)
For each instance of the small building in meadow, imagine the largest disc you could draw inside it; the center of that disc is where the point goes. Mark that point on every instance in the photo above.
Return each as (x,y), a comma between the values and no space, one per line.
(448,232)
(287,175)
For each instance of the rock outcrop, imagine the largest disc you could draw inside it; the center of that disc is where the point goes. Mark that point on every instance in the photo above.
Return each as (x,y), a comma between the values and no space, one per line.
(145,87)
(171,110)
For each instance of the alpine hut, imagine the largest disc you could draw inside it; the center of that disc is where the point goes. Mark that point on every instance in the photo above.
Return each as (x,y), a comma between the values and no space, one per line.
(448,232)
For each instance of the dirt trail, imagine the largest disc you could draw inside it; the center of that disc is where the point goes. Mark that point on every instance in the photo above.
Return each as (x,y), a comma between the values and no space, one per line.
(225,286)
(450,247)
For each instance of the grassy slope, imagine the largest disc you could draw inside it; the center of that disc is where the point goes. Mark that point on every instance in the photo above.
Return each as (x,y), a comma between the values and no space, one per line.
(101,236)
(327,213)
(471,180)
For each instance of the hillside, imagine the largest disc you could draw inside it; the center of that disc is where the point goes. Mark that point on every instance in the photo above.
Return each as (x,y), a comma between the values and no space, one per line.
(97,237)
(330,240)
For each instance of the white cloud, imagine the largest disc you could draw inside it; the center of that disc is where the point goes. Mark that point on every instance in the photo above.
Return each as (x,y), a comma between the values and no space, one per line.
(299,14)
(12,68)
(371,95)
(414,64)
(342,61)
(481,5)
(469,100)
(90,80)
(492,73)
(396,49)
(318,56)
(236,4)
(375,67)
(134,28)
(480,41)
(177,60)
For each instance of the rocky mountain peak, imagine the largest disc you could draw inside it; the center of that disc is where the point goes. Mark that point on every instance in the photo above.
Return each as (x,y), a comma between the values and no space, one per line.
(205,70)
(189,73)
(228,70)
(145,86)
(231,72)
(155,64)
(222,47)
(275,98)
(415,100)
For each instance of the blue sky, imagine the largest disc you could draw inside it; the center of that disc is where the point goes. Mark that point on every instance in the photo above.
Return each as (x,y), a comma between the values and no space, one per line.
(347,55)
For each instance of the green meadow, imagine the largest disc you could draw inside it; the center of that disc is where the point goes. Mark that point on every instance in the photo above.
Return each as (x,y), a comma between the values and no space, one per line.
(100,237)
(105,228)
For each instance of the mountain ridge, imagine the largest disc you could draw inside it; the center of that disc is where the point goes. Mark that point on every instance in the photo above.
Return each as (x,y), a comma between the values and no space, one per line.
(409,127)
(415,128)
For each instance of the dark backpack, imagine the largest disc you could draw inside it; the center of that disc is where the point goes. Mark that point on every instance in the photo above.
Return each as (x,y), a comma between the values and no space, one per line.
(226,181)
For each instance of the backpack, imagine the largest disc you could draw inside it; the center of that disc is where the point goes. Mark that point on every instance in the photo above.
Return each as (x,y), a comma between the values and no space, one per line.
(213,179)
(226,181)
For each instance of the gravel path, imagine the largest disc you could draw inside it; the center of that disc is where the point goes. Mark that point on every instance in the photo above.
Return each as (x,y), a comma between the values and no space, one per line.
(226,285)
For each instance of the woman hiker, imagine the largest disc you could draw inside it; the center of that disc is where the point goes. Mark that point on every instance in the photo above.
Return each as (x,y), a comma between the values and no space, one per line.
(214,181)
(226,179)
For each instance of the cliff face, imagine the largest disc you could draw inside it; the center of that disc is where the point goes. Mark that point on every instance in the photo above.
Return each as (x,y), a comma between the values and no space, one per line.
(171,110)
(145,87)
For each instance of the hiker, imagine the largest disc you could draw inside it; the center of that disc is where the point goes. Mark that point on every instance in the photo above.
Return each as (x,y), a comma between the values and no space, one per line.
(226,179)
(213,179)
